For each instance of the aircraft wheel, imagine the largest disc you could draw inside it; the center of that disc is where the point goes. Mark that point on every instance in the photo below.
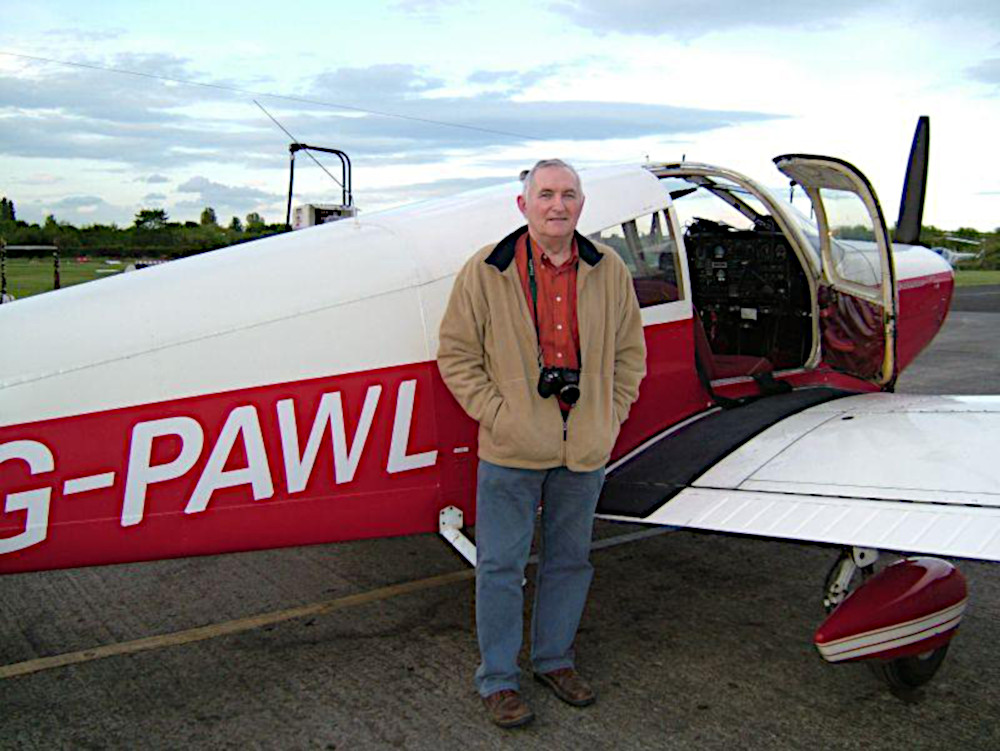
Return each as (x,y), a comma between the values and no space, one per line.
(910,672)
(902,673)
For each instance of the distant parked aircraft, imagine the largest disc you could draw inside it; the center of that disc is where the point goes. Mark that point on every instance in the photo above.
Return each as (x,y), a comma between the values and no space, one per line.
(955,256)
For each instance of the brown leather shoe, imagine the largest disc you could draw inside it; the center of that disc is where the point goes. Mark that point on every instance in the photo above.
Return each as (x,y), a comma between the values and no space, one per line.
(569,686)
(507,709)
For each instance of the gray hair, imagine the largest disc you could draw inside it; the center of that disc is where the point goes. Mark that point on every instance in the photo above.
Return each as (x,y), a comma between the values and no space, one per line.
(528,176)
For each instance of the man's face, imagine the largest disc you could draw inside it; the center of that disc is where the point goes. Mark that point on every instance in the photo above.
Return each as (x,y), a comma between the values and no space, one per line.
(553,204)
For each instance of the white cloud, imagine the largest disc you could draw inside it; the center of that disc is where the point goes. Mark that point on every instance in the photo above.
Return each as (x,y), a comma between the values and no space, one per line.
(79,210)
(688,19)
(239,198)
(119,124)
(988,71)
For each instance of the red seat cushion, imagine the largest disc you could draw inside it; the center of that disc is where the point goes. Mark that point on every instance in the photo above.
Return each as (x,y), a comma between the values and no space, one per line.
(725,366)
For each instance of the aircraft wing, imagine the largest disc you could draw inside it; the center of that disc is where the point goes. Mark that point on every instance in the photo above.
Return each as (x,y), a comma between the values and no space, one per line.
(914,474)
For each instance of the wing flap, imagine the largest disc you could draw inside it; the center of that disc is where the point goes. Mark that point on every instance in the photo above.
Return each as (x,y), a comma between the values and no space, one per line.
(929,528)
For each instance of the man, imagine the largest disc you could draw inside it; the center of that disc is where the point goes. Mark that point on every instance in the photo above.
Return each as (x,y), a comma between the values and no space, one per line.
(542,344)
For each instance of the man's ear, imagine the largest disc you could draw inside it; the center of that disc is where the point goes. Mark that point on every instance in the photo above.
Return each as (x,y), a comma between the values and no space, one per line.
(521,204)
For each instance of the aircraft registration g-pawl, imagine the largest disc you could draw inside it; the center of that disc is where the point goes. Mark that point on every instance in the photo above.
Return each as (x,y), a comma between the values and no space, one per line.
(285,392)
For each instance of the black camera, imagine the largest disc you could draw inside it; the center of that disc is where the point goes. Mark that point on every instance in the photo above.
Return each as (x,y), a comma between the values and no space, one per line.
(561,382)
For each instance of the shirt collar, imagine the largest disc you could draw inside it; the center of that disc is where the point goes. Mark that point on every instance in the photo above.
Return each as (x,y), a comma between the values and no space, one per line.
(503,253)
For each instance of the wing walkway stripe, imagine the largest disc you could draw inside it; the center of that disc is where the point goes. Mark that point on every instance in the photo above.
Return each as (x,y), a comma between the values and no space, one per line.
(239,625)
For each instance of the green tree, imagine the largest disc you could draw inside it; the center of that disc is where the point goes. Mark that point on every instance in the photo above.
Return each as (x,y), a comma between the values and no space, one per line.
(255,222)
(854,232)
(208,216)
(236,225)
(151,219)
(7,210)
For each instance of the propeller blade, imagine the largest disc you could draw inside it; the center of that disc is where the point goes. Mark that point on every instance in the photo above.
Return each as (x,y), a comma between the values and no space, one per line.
(911,206)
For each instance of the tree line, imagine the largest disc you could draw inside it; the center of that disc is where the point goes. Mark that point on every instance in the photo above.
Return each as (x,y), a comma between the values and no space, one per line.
(151,235)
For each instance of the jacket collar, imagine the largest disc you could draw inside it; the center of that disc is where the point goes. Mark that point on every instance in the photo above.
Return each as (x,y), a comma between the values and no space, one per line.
(503,253)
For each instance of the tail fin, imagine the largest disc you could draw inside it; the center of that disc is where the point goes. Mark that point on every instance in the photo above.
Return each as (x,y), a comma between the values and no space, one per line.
(911,206)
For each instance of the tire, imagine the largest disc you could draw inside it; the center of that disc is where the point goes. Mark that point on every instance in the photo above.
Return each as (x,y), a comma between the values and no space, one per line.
(910,672)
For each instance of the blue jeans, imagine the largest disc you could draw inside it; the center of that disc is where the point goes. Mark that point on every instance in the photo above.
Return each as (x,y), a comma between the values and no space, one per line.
(506,504)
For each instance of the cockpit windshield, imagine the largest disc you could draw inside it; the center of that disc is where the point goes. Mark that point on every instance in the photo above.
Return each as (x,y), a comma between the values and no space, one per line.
(716,199)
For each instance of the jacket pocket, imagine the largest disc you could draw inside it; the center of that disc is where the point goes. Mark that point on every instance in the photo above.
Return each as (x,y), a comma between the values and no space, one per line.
(500,432)
(507,444)
(527,430)
(594,426)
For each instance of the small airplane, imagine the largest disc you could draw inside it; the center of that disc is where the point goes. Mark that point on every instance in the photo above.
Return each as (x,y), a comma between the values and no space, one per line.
(285,392)
(955,256)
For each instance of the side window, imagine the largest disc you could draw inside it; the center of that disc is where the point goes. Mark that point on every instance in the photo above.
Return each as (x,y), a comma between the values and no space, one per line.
(615,237)
(849,221)
(647,246)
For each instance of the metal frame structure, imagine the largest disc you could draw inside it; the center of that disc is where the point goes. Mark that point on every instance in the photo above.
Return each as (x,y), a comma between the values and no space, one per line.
(347,197)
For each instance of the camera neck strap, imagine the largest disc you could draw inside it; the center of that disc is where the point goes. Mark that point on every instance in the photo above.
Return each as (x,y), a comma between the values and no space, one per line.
(533,286)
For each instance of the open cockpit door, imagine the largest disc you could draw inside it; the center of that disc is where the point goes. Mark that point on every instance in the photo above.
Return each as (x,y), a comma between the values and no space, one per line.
(857,301)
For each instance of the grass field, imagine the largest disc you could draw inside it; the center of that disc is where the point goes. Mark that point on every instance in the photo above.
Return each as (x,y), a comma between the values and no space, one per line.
(31,276)
(976,277)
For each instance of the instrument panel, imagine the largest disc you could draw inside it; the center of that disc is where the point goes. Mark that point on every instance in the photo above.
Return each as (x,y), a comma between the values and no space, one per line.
(749,267)
(750,290)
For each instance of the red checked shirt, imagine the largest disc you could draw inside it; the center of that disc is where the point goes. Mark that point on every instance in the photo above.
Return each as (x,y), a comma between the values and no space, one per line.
(558,330)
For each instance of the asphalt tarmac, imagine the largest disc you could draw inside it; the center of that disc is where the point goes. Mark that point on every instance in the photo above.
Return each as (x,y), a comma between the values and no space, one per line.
(694,641)
(984,299)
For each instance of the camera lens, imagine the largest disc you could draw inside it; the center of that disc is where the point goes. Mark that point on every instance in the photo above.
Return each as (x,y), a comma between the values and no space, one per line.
(569,394)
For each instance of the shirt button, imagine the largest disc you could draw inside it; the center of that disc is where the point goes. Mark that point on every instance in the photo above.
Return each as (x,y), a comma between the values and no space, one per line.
(559,354)
(558,299)
(558,327)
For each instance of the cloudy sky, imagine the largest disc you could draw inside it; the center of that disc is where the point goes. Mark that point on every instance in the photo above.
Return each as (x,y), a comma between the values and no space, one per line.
(431,97)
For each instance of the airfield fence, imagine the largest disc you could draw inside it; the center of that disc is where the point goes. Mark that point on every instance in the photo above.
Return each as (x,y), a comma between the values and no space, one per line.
(22,277)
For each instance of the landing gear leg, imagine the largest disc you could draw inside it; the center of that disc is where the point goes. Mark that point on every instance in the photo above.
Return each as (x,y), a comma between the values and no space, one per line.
(840,579)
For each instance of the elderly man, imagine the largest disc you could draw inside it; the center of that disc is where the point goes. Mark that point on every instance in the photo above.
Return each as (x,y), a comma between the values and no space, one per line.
(542,345)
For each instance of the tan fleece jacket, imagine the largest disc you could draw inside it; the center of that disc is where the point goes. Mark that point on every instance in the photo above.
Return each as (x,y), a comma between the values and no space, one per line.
(488,357)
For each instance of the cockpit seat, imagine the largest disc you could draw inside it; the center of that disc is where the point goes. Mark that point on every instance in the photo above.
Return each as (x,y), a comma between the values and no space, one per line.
(725,366)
